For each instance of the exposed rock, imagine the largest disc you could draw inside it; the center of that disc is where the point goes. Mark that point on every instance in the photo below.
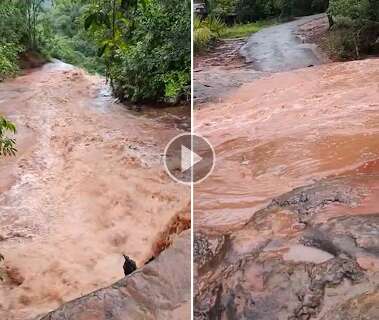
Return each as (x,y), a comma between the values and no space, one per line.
(299,253)
(32,59)
(350,235)
(305,201)
(269,288)
(207,250)
(331,273)
(362,307)
(159,290)
(223,53)
(268,270)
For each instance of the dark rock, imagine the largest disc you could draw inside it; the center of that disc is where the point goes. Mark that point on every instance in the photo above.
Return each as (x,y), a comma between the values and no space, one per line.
(350,235)
(129,266)
(330,273)
(306,201)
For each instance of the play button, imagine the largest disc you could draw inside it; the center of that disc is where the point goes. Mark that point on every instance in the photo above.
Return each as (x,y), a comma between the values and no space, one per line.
(189,158)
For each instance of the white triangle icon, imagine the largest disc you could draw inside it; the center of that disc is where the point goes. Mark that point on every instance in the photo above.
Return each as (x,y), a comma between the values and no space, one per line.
(186,162)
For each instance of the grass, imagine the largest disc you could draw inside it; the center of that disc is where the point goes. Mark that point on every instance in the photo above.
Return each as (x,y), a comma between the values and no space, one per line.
(244,30)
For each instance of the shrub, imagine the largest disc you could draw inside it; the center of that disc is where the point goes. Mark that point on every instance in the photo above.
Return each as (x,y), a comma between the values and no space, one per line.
(153,63)
(7,145)
(319,6)
(245,29)
(356,28)
(71,51)
(342,42)
(10,35)
(9,60)
(206,31)
(202,35)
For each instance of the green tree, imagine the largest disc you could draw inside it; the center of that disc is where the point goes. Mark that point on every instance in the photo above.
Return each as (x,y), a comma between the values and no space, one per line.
(356,27)
(221,8)
(63,35)
(31,10)
(252,10)
(7,147)
(11,34)
(142,46)
(19,20)
(146,46)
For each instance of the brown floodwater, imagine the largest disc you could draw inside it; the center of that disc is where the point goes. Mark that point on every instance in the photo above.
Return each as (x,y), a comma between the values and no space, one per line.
(87,185)
(286,131)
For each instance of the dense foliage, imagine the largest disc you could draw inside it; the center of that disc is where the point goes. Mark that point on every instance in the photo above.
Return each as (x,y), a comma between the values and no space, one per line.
(244,17)
(253,10)
(146,46)
(355,29)
(354,24)
(63,35)
(17,32)
(142,46)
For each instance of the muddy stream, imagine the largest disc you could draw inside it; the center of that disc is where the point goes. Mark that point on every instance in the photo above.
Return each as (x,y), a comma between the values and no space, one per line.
(287,225)
(87,185)
(285,131)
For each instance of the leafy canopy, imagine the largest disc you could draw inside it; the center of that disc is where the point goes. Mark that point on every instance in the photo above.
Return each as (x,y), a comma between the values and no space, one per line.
(146,46)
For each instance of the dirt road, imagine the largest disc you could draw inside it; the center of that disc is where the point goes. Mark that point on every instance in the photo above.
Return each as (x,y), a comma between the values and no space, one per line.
(87,185)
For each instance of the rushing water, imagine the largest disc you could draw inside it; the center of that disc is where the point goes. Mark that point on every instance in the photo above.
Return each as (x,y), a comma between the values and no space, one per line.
(287,226)
(283,132)
(87,185)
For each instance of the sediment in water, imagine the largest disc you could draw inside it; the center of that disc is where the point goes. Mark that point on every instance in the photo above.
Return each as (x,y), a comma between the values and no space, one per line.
(292,232)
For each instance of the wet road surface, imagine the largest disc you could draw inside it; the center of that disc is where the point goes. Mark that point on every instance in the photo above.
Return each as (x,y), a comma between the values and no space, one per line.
(277,48)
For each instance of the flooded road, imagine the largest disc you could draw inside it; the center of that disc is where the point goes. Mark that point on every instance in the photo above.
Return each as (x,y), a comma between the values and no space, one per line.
(287,225)
(87,185)
(235,62)
(284,131)
(277,48)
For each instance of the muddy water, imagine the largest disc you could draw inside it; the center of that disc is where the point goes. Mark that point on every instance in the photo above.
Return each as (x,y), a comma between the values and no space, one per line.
(87,185)
(283,132)
(287,226)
